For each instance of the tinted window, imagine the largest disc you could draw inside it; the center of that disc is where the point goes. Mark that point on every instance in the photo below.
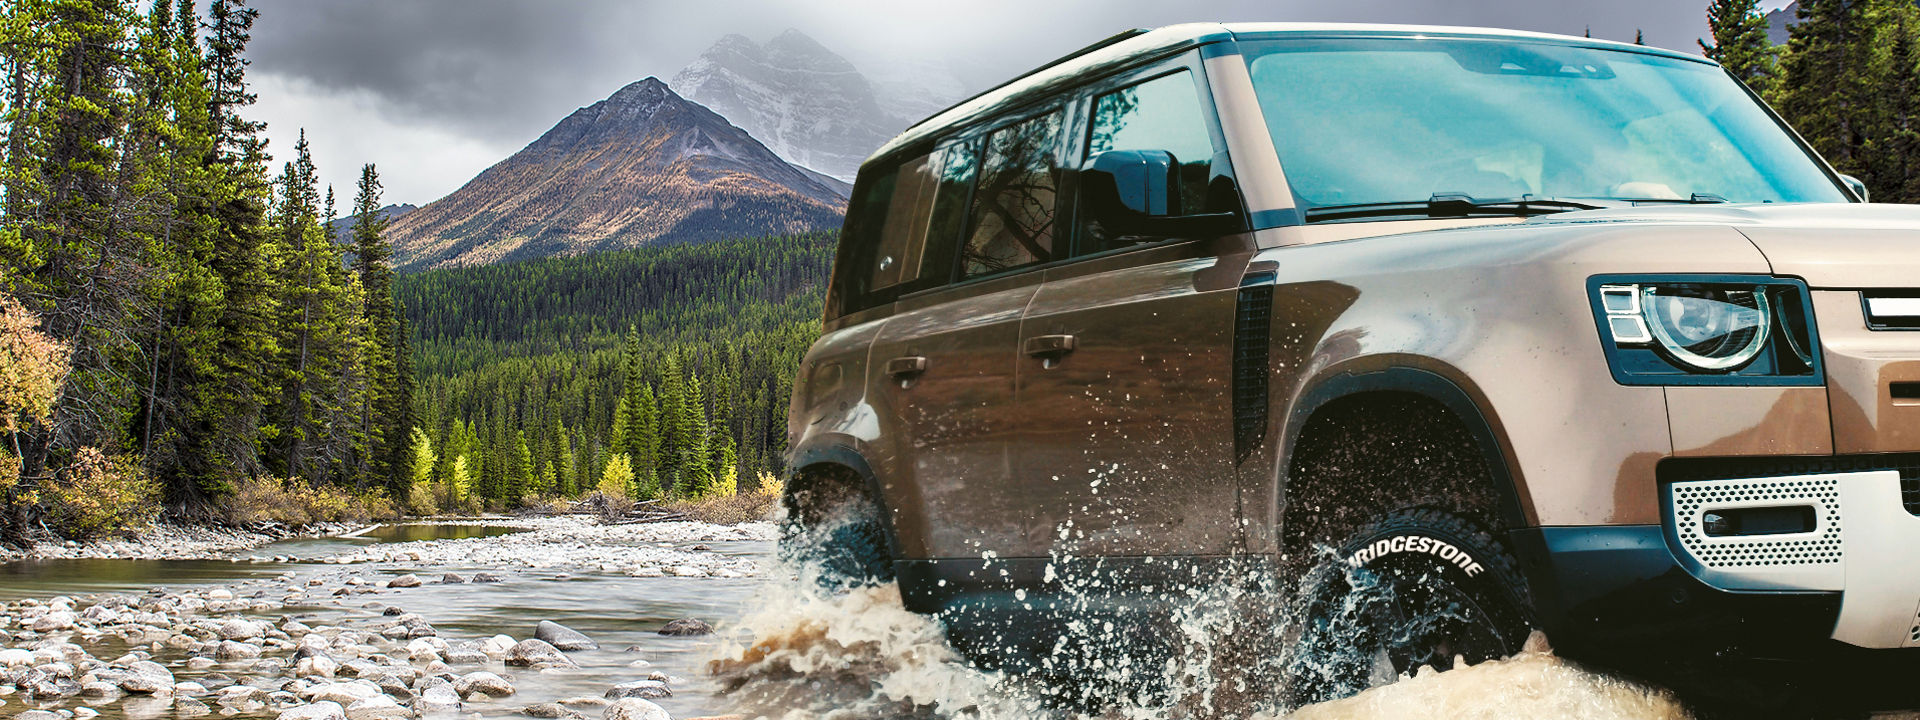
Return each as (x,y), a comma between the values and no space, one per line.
(958,164)
(903,231)
(1159,114)
(1012,223)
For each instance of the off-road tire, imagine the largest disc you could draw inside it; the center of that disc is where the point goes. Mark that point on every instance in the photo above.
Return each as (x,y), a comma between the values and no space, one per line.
(1414,587)
(838,541)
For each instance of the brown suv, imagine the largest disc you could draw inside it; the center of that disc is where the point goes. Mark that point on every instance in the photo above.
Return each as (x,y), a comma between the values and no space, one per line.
(1513,330)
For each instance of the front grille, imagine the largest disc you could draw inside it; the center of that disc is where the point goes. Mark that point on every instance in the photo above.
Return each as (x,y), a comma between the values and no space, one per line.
(1673,470)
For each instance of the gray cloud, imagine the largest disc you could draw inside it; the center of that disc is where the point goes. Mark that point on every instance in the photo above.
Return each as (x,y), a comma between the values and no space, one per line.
(454,85)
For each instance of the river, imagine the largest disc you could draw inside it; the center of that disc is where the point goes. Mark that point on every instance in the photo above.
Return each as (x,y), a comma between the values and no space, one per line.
(783,652)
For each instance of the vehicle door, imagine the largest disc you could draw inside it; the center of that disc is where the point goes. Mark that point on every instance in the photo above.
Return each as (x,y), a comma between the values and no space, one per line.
(943,366)
(1125,370)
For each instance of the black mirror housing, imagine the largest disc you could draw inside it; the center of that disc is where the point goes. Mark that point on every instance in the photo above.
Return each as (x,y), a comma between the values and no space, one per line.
(1136,194)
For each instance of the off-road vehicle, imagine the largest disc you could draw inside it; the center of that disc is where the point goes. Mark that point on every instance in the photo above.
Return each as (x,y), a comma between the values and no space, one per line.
(1522,331)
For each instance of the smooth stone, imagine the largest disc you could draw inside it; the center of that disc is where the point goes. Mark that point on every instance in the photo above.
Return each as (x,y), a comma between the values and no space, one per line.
(452,579)
(229,650)
(487,578)
(237,629)
(649,689)
(563,637)
(584,701)
(686,627)
(53,622)
(465,655)
(497,646)
(405,581)
(438,697)
(534,653)
(378,707)
(147,676)
(189,707)
(37,715)
(635,709)
(346,693)
(547,710)
(323,710)
(484,683)
(219,594)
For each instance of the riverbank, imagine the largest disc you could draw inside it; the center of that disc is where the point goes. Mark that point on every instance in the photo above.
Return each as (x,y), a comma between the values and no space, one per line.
(173,542)
(394,630)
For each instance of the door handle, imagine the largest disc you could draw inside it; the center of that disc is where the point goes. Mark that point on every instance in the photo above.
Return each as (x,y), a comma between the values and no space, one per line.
(1049,346)
(911,365)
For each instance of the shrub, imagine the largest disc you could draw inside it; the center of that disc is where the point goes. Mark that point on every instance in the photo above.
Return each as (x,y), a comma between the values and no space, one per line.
(618,476)
(31,368)
(293,502)
(99,494)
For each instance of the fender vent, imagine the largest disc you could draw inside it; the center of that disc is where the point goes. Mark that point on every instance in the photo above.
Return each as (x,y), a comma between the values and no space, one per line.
(1252,332)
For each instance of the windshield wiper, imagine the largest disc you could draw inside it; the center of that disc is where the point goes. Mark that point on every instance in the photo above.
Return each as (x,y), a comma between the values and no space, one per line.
(1695,199)
(1450,205)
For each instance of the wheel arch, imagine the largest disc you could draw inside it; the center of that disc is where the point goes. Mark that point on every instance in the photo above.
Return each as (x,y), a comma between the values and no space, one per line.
(813,467)
(1456,395)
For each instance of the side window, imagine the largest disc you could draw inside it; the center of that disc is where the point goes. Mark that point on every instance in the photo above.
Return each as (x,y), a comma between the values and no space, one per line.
(903,232)
(1160,114)
(905,223)
(1012,223)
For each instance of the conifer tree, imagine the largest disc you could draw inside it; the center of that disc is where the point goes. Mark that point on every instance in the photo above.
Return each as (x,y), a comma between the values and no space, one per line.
(1740,42)
(1826,79)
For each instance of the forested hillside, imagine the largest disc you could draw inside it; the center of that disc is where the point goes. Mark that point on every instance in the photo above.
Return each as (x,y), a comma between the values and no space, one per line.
(180,324)
(672,365)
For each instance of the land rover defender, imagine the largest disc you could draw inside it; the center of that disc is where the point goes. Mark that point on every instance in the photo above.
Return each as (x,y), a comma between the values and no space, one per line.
(1537,332)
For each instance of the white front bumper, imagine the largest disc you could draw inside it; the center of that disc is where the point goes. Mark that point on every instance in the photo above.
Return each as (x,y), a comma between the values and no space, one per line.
(1864,545)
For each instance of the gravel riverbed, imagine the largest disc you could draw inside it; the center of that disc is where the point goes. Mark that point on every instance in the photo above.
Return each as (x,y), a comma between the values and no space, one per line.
(352,635)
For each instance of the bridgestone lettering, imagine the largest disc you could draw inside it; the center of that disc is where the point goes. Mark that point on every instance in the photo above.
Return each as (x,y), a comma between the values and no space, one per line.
(1419,544)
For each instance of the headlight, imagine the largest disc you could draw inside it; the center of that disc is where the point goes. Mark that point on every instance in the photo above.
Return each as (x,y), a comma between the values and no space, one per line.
(1706,330)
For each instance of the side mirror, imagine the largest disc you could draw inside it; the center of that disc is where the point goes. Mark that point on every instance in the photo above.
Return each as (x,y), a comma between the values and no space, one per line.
(1138,182)
(1853,183)
(1133,194)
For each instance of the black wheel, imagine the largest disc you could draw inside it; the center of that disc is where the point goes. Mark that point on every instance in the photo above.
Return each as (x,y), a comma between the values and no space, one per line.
(833,535)
(1414,588)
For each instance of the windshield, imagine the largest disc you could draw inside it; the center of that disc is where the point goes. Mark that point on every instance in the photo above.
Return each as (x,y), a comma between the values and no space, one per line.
(1364,121)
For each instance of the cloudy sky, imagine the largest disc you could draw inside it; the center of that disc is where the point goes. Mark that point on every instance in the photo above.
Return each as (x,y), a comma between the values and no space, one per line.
(434,91)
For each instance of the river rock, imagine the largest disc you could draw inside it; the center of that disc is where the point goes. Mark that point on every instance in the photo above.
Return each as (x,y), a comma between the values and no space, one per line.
(189,707)
(229,651)
(537,653)
(242,696)
(378,707)
(685,627)
(487,578)
(15,656)
(405,581)
(84,713)
(103,691)
(147,677)
(219,594)
(584,701)
(563,637)
(323,710)
(409,626)
(38,715)
(318,665)
(238,629)
(484,683)
(633,709)
(649,689)
(452,579)
(53,622)
(437,697)
(52,688)
(344,693)
(547,710)
(465,654)
(497,647)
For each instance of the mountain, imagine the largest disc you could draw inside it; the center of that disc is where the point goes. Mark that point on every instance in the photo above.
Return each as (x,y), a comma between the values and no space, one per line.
(643,167)
(343,227)
(1778,20)
(810,105)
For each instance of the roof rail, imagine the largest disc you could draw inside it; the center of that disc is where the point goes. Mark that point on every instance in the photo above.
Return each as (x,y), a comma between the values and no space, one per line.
(1114,39)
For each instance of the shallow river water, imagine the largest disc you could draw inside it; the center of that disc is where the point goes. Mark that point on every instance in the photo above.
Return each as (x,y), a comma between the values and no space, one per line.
(780,651)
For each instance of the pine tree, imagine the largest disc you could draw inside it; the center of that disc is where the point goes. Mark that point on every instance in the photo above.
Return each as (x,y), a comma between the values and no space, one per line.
(643,436)
(1825,90)
(520,477)
(381,414)
(1896,131)
(1740,42)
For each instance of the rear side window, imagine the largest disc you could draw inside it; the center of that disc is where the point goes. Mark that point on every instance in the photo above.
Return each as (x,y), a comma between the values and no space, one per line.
(904,226)
(1012,223)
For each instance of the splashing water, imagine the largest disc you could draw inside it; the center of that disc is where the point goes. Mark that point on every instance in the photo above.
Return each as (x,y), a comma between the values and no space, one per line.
(806,656)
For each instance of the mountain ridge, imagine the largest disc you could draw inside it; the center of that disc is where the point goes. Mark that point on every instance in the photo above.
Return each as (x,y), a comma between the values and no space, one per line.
(644,166)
